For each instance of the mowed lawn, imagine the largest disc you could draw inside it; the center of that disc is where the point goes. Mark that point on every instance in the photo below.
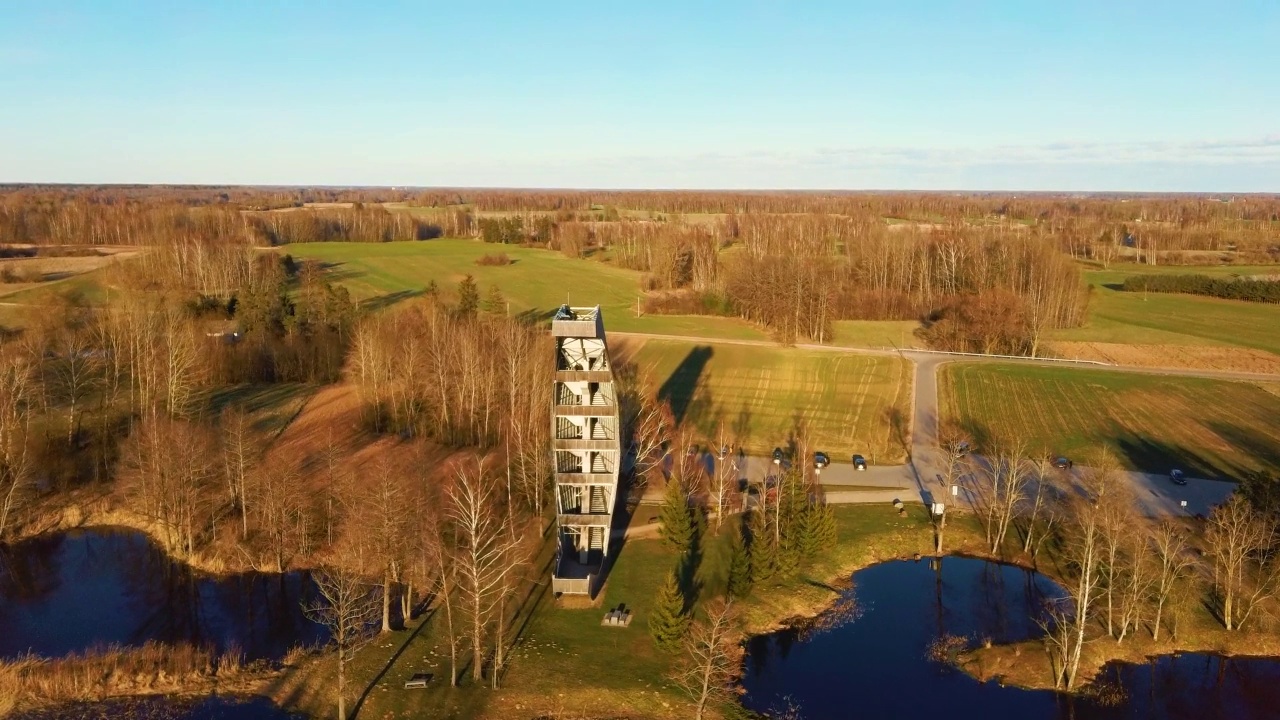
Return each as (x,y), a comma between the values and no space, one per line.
(1209,428)
(762,395)
(537,281)
(1171,319)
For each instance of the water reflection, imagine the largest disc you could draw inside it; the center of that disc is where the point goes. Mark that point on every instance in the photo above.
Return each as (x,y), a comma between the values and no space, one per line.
(877,666)
(1193,686)
(67,592)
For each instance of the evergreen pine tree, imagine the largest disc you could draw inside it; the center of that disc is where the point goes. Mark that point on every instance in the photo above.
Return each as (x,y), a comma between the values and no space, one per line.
(793,501)
(668,621)
(675,523)
(468,297)
(763,552)
(739,567)
(494,302)
(824,527)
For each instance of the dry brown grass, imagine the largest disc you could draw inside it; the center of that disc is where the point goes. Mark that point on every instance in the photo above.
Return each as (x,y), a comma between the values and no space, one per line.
(99,673)
(334,416)
(1026,664)
(1183,357)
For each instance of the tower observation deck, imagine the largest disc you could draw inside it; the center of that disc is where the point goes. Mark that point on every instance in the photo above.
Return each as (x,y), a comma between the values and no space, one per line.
(586,448)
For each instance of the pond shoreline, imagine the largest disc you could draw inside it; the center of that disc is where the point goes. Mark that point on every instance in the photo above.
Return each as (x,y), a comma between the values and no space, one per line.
(102,513)
(1008,663)
(103,612)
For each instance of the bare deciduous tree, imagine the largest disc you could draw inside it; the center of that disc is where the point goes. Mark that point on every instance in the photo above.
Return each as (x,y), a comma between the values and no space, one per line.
(1008,474)
(15,461)
(240,448)
(1241,542)
(347,609)
(1046,490)
(725,481)
(171,466)
(711,657)
(487,555)
(1175,564)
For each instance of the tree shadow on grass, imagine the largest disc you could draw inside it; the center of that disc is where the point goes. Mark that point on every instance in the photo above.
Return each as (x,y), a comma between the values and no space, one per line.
(336,272)
(381,302)
(1150,455)
(534,316)
(254,397)
(680,387)
(1262,448)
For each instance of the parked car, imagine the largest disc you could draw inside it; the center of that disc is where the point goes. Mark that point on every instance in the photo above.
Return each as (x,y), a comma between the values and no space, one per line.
(859,462)
(777,456)
(820,460)
(962,449)
(691,451)
(1062,463)
(1177,477)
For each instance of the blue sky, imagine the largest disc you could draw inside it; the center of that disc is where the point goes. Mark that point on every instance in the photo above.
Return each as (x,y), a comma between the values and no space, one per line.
(1158,96)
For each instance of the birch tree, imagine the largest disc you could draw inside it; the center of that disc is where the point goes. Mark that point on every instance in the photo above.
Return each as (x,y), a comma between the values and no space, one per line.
(15,460)
(486,553)
(1241,543)
(1175,565)
(347,608)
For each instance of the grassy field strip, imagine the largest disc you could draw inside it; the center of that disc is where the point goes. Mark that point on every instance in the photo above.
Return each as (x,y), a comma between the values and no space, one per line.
(767,391)
(1170,319)
(1209,428)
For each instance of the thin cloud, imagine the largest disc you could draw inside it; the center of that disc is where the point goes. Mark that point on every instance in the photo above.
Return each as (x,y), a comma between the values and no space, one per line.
(1252,150)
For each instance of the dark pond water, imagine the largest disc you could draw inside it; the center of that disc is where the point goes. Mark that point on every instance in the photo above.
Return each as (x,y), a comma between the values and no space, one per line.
(162,708)
(876,665)
(71,591)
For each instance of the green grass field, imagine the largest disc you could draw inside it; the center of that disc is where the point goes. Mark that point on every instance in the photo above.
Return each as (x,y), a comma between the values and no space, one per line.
(537,280)
(1209,428)
(761,394)
(1157,318)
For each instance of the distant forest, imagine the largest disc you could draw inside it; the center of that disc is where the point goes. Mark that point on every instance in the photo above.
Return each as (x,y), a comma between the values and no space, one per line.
(986,272)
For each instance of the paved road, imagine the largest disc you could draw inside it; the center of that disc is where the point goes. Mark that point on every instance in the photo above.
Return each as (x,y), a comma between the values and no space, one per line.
(921,478)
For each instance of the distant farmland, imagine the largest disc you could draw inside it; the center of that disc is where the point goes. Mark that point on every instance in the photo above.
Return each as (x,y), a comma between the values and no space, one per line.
(538,281)
(1208,428)
(1168,319)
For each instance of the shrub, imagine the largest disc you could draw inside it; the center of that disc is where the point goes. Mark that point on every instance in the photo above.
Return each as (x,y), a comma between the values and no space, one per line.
(496,259)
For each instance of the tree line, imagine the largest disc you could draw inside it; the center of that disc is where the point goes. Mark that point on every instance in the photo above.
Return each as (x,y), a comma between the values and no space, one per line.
(1228,288)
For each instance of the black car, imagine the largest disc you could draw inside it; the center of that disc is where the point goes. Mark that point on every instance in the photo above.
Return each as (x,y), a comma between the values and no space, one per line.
(777,456)
(820,460)
(859,462)
(1062,463)
(1177,477)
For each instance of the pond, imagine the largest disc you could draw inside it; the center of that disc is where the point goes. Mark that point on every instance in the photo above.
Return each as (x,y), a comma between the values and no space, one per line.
(875,662)
(70,591)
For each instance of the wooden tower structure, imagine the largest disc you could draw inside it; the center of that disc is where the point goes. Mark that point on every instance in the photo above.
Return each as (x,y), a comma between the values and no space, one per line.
(585,438)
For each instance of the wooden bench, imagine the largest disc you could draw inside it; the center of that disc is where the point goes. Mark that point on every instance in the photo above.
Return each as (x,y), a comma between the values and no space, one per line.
(418,681)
